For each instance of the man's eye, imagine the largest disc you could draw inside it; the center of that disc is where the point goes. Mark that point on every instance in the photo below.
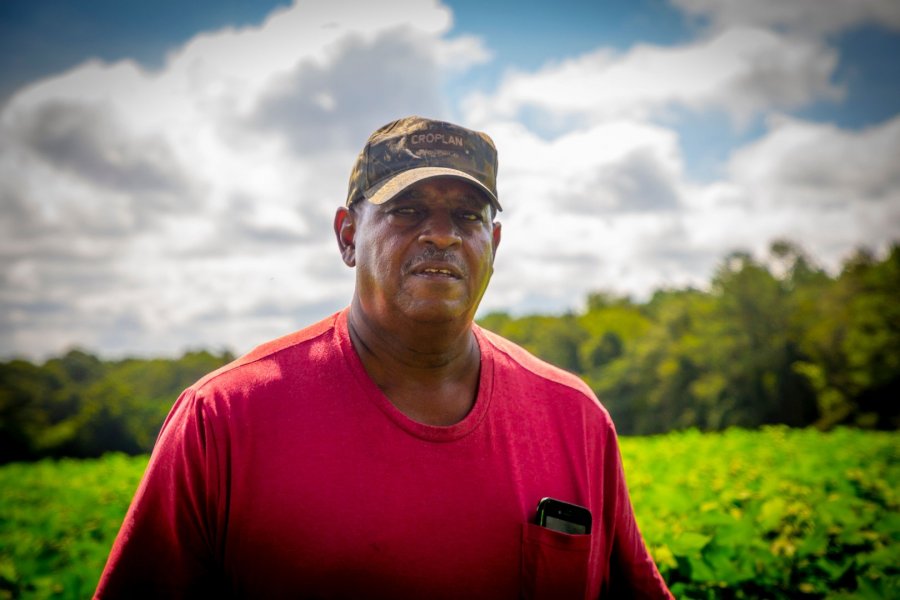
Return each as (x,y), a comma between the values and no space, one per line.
(405,211)
(474,217)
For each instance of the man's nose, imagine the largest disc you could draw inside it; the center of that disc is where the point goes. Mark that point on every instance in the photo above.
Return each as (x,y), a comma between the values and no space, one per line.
(440,230)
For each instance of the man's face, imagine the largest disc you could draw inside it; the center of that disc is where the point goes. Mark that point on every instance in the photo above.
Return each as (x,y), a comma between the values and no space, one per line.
(426,255)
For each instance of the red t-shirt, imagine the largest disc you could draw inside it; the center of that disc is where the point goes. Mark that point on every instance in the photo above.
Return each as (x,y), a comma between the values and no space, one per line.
(288,473)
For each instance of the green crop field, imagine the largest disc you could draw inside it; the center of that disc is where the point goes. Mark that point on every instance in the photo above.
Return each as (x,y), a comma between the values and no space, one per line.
(777,513)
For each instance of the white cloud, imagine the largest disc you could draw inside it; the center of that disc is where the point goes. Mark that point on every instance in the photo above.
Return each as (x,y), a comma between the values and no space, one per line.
(818,163)
(605,201)
(818,17)
(835,189)
(572,226)
(741,71)
(587,210)
(192,206)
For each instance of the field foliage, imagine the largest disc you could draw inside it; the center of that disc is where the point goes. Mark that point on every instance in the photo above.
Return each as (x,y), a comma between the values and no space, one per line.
(777,513)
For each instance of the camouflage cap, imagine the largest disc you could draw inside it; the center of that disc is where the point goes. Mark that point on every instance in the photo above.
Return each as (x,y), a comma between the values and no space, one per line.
(413,149)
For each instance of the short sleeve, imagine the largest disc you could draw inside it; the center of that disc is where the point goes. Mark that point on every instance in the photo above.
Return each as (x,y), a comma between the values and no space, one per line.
(168,545)
(633,573)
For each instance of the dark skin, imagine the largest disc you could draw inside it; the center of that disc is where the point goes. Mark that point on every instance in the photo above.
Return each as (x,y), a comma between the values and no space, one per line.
(423,261)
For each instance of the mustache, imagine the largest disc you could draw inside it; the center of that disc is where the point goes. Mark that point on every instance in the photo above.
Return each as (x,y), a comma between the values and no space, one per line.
(432,254)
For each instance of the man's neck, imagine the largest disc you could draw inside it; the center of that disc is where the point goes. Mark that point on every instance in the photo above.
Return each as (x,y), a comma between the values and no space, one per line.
(429,371)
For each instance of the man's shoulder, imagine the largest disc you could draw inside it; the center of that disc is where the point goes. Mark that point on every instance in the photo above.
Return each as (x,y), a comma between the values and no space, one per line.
(528,365)
(265,360)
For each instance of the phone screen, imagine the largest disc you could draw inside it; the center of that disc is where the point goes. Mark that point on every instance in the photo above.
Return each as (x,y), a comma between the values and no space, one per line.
(558,524)
(563,516)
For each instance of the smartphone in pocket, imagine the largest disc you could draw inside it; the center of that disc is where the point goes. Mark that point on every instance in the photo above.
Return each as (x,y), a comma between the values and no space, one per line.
(563,516)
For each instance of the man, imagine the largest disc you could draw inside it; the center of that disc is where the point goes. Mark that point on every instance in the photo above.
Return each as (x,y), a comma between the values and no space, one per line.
(395,449)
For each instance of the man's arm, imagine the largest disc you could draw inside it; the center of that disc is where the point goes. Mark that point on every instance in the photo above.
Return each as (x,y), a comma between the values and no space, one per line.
(167,544)
(633,574)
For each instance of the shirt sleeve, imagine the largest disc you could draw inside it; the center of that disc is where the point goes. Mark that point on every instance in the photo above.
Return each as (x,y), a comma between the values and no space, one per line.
(168,545)
(633,573)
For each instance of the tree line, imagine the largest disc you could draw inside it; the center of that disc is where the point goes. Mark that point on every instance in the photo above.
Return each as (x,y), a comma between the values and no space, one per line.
(79,405)
(777,340)
(770,341)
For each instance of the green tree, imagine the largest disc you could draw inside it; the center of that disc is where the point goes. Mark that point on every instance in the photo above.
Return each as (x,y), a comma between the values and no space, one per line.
(22,416)
(851,338)
(554,339)
(755,350)
(79,405)
(648,388)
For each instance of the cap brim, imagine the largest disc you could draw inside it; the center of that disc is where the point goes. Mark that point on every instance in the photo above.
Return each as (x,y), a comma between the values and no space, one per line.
(389,188)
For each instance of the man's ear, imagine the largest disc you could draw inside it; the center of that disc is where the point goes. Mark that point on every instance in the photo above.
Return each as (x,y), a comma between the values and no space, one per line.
(495,236)
(345,231)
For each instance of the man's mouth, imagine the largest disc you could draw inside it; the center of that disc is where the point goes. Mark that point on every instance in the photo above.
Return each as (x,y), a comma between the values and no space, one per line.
(444,272)
(437,264)
(437,270)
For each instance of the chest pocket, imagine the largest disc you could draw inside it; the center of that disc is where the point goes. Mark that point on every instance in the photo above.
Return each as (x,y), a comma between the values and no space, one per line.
(554,564)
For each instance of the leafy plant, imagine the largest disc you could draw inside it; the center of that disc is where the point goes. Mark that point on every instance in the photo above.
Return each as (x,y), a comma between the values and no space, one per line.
(780,513)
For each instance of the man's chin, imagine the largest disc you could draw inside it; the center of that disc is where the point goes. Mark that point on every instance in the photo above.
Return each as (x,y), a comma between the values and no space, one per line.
(438,312)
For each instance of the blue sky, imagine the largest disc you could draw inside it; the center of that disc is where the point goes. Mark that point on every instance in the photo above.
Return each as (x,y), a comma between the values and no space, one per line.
(168,171)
